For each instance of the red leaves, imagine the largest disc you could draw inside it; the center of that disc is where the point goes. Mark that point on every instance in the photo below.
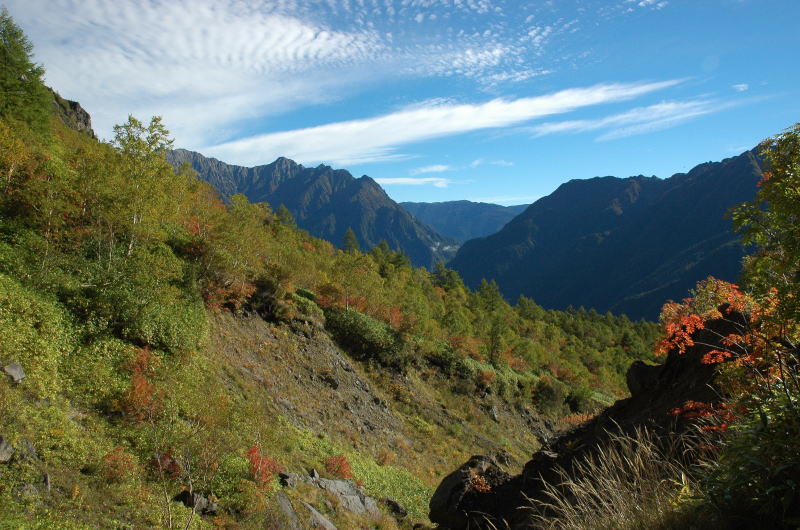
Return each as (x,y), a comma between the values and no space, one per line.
(262,468)
(118,465)
(720,415)
(143,402)
(339,467)
(679,325)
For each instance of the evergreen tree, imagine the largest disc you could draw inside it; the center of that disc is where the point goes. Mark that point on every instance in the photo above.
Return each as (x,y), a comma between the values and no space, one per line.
(22,93)
(285,216)
(350,241)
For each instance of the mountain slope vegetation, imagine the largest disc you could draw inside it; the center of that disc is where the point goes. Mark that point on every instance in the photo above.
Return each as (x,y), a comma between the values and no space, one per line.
(158,342)
(326,202)
(629,244)
(464,220)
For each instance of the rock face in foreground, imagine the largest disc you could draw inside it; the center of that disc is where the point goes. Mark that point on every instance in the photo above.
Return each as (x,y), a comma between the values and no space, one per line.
(463,501)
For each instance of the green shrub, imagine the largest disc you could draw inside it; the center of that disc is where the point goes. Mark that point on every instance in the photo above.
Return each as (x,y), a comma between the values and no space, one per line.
(549,396)
(306,307)
(36,333)
(756,480)
(364,336)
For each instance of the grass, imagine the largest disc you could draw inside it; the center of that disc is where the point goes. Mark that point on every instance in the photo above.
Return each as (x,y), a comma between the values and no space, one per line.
(633,482)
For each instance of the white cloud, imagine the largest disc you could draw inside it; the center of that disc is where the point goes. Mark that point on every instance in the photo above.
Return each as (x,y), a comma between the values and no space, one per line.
(438,182)
(741,87)
(376,139)
(203,65)
(435,168)
(635,121)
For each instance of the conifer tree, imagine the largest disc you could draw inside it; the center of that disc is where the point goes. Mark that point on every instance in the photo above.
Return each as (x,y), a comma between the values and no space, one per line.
(350,241)
(23,95)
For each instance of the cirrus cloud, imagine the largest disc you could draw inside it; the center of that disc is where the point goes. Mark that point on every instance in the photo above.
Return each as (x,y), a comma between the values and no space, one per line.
(379,138)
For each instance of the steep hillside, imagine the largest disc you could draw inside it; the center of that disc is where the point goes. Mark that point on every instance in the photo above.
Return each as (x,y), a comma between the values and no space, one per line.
(173,360)
(326,202)
(629,244)
(464,220)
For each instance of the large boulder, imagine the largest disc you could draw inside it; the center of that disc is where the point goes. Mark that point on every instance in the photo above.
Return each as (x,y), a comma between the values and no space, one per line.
(452,504)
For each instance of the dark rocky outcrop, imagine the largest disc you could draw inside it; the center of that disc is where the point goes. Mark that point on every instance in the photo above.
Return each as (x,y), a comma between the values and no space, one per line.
(202,504)
(72,115)
(656,391)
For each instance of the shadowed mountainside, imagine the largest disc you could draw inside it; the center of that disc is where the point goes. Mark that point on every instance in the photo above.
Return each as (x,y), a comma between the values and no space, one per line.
(628,244)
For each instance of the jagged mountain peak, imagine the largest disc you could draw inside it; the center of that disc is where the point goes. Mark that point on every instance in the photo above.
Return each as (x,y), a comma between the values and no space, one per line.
(326,202)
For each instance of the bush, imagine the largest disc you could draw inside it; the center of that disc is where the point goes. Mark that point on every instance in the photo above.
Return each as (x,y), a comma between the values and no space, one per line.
(364,336)
(755,481)
(549,396)
(36,333)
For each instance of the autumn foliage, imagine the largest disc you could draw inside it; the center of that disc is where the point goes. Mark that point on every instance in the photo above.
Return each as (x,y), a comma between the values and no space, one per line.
(339,467)
(262,468)
(143,402)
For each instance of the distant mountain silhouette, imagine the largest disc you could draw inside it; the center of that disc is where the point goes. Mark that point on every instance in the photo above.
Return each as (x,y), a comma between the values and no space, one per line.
(621,245)
(326,202)
(463,220)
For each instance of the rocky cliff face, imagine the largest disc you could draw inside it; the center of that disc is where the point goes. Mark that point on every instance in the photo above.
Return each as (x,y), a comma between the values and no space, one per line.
(628,244)
(72,115)
(326,202)
(480,494)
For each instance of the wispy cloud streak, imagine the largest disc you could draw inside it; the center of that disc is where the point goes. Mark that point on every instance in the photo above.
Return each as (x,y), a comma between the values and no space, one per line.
(377,139)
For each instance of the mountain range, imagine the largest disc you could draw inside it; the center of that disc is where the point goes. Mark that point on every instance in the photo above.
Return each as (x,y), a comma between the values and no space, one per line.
(463,220)
(624,245)
(326,202)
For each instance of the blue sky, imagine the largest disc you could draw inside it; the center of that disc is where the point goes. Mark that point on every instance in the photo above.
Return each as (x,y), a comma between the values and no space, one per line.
(496,101)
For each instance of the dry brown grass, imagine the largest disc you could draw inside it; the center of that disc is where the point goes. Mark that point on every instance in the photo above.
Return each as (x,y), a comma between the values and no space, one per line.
(638,481)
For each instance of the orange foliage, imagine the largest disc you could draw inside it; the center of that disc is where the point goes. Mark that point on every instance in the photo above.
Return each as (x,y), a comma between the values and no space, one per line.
(478,483)
(118,465)
(721,414)
(466,346)
(339,467)
(262,468)
(486,378)
(143,402)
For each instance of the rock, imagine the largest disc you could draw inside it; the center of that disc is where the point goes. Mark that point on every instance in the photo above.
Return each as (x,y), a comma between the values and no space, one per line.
(313,473)
(641,377)
(14,371)
(290,521)
(317,520)
(29,450)
(286,403)
(201,504)
(395,509)
(6,451)
(350,497)
(447,506)
(289,480)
